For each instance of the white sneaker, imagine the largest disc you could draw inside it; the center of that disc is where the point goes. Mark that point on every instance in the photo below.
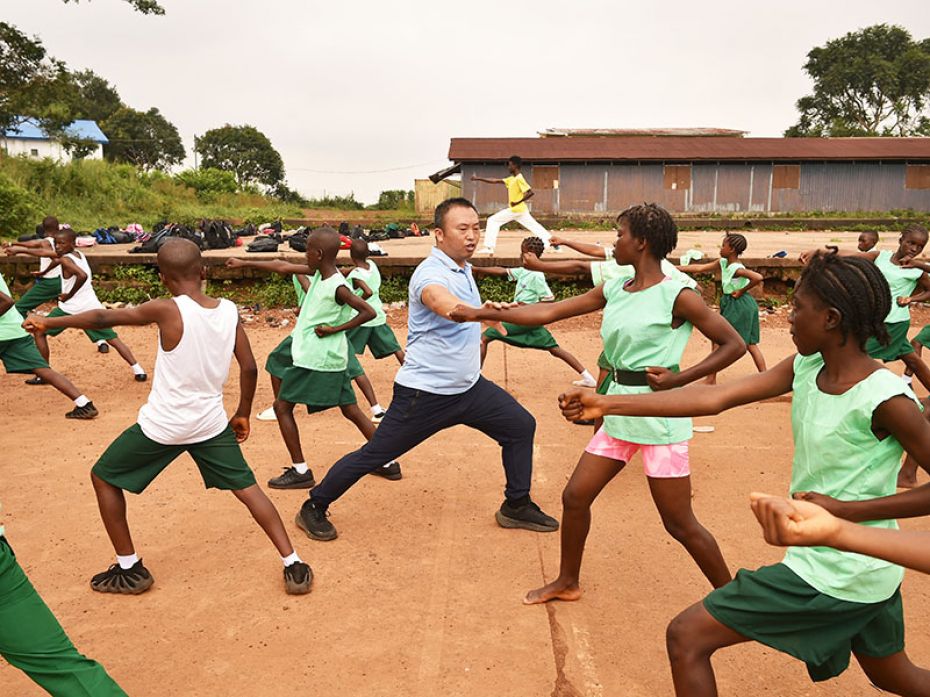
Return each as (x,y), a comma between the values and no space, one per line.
(585,382)
(485,250)
(703,429)
(267,415)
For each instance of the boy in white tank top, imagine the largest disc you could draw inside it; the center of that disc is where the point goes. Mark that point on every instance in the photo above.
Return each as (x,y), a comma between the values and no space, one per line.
(198,336)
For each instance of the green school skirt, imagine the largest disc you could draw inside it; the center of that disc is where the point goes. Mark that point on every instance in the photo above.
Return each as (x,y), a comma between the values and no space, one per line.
(42,291)
(380,340)
(21,355)
(317,390)
(897,347)
(523,337)
(923,336)
(776,607)
(743,314)
(94,335)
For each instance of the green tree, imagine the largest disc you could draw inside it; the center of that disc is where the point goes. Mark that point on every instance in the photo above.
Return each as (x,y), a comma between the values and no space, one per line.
(146,7)
(146,139)
(872,82)
(27,79)
(208,181)
(243,150)
(394,199)
(95,98)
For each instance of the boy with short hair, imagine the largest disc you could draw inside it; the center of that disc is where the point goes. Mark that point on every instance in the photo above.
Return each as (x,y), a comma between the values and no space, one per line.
(198,337)
(867,240)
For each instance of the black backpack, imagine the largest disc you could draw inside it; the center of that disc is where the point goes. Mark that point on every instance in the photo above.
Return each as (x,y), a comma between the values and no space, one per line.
(378,236)
(153,243)
(267,243)
(298,241)
(218,235)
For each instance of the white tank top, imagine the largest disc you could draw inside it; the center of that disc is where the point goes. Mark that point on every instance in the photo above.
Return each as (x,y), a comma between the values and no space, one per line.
(186,402)
(85,299)
(45,262)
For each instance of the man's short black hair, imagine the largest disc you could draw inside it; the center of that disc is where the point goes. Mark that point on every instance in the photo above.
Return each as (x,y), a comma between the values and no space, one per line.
(439,217)
(516,160)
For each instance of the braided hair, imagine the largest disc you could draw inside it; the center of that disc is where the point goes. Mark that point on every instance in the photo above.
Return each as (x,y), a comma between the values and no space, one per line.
(736,241)
(534,245)
(651,222)
(858,291)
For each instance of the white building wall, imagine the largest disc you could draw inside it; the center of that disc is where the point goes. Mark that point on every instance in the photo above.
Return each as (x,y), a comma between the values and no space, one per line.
(45,148)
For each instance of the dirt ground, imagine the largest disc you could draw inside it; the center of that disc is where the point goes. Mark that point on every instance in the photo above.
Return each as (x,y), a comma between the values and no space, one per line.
(420,594)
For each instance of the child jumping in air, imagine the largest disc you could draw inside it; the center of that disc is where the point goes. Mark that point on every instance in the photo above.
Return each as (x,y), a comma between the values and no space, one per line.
(737,306)
(851,420)
(531,288)
(648,318)
(198,337)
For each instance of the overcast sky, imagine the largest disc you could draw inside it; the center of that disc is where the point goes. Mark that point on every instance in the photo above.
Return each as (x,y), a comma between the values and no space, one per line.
(362,86)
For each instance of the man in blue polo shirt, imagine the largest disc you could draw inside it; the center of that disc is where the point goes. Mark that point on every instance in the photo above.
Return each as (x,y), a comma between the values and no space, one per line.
(440,385)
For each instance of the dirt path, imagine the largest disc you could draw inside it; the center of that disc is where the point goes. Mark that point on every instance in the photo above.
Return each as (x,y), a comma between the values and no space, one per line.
(420,595)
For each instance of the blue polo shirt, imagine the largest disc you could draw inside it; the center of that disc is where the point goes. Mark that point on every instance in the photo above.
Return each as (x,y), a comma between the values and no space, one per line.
(443,357)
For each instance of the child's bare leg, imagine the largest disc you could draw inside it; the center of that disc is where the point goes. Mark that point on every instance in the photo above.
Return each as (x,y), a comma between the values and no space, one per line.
(364,384)
(266,515)
(564,355)
(112,504)
(590,476)
(42,345)
(400,356)
(288,426)
(918,368)
(756,353)
(918,351)
(123,350)
(672,497)
(275,386)
(691,639)
(362,423)
(58,381)
(712,378)
(896,674)
(907,476)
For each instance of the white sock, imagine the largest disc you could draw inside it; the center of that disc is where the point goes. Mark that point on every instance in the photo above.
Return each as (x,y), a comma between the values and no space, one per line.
(137,369)
(291,558)
(128,561)
(101,342)
(81,401)
(301,467)
(376,409)
(585,375)
(908,379)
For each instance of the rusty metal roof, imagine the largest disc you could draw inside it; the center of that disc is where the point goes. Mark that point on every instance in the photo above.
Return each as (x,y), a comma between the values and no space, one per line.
(686,149)
(619,132)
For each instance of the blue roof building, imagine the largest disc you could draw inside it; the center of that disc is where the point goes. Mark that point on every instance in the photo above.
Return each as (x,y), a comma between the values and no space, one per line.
(30,139)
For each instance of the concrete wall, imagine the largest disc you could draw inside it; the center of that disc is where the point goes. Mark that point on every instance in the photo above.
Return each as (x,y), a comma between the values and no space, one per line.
(44,148)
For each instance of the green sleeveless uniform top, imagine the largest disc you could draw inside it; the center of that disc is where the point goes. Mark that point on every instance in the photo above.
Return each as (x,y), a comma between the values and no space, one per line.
(326,354)
(902,281)
(298,289)
(728,278)
(10,321)
(836,453)
(372,278)
(637,333)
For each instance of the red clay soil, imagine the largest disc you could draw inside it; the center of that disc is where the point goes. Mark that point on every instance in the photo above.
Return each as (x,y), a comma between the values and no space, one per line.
(420,594)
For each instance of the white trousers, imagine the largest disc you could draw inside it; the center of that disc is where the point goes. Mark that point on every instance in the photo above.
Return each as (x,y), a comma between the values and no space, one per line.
(506,216)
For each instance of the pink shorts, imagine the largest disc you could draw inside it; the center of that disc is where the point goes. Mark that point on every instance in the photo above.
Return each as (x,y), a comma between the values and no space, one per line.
(659,461)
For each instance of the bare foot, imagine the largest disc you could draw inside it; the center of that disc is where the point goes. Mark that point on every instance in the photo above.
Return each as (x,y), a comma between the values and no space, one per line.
(557,590)
(905,482)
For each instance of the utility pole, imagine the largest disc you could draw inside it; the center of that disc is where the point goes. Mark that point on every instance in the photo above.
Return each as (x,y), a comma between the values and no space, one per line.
(195,151)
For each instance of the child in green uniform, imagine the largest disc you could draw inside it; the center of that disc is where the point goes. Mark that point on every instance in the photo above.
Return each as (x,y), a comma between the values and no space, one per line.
(32,640)
(48,278)
(647,322)
(737,306)
(850,418)
(198,336)
(531,288)
(19,354)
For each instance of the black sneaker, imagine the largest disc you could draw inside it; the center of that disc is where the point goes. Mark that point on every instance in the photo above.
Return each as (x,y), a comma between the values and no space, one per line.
(584,422)
(132,581)
(526,515)
(298,577)
(389,471)
(292,479)
(103,348)
(87,412)
(35,380)
(141,377)
(312,520)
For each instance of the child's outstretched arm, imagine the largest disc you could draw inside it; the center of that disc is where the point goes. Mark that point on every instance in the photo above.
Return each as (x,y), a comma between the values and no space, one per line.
(586,248)
(801,523)
(345,296)
(566,267)
(152,312)
(693,400)
(42,251)
(285,268)
(707,267)
(532,315)
(486,180)
(808,255)
(248,379)
(489,270)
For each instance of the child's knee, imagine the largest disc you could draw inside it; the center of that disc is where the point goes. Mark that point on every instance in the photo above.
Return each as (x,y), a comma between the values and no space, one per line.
(682,636)
(574,498)
(282,408)
(682,528)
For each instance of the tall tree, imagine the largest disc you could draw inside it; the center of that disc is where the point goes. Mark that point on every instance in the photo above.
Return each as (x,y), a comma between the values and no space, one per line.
(27,77)
(146,139)
(872,82)
(146,7)
(243,150)
(96,99)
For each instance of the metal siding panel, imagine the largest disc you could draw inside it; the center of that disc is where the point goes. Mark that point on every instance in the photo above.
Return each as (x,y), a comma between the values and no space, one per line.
(581,188)
(703,177)
(488,198)
(732,188)
(545,196)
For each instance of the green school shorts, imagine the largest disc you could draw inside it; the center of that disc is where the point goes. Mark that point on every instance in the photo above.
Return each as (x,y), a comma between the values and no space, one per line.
(355,368)
(21,355)
(133,461)
(279,359)
(743,314)
(523,337)
(897,347)
(380,340)
(42,291)
(923,336)
(774,606)
(94,335)
(317,390)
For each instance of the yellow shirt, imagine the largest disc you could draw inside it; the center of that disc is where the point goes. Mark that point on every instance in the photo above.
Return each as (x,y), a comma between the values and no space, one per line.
(516,188)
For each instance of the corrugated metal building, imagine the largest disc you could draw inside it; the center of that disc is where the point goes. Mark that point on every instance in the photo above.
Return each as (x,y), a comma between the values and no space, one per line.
(696,174)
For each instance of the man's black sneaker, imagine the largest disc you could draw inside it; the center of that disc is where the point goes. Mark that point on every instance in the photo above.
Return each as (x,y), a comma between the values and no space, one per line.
(527,516)
(141,377)
(298,577)
(312,519)
(35,380)
(292,479)
(131,581)
(87,412)
(389,471)
(103,348)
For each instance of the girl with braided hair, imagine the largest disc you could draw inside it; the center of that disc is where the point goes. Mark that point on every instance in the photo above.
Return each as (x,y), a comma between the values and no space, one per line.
(737,306)
(648,319)
(531,288)
(851,420)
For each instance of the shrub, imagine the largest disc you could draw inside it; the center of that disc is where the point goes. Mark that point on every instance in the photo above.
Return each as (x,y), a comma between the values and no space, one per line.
(208,181)
(18,208)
